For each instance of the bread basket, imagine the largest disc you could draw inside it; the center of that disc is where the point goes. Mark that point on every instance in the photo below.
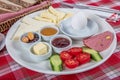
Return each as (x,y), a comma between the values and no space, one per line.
(6,24)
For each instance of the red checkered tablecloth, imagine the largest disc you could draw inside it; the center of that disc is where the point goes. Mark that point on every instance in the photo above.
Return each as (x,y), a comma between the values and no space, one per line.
(109,70)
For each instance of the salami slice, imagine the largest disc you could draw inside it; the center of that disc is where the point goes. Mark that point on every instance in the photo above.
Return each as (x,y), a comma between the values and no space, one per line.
(100,41)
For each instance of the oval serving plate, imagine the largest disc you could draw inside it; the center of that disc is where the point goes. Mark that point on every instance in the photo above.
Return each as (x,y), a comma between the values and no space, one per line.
(19,54)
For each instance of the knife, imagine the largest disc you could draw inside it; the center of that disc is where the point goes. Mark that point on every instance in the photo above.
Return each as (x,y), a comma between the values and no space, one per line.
(83,6)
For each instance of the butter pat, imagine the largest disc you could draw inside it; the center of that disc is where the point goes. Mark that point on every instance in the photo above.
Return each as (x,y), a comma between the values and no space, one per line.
(40,49)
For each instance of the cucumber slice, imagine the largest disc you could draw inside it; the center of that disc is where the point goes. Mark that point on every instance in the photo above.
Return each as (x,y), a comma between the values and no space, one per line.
(56,63)
(94,54)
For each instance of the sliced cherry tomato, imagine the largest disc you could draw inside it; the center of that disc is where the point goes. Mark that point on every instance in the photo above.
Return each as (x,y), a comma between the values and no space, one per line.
(71,63)
(83,58)
(75,51)
(64,55)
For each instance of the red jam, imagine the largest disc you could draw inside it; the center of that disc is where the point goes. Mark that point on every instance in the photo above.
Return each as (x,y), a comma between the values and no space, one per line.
(60,42)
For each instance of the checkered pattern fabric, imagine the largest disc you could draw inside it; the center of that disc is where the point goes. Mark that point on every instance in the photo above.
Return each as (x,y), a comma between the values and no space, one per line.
(109,70)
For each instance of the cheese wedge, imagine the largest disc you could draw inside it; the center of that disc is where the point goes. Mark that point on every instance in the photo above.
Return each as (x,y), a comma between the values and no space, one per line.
(19,31)
(40,49)
(24,28)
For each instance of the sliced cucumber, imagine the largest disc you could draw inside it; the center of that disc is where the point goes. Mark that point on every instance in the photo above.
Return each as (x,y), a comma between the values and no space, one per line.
(56,63)
(94,54)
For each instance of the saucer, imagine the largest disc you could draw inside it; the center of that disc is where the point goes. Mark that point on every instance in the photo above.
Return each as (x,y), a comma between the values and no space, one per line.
(89,30)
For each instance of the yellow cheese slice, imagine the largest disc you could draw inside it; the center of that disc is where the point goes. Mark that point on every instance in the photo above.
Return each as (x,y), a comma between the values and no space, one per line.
(42,19)
(48,15)
(59,14)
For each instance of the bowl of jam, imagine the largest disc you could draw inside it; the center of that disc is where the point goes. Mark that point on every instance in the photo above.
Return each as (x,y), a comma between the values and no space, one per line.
(29,38)
(60,42)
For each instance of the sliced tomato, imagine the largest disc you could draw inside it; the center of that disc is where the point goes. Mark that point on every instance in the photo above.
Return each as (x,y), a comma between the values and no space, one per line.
(83,58)
(75,51)
(64,55)
(71,63)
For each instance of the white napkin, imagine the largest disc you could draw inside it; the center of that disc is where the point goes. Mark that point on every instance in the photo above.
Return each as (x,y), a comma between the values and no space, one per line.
(99,13)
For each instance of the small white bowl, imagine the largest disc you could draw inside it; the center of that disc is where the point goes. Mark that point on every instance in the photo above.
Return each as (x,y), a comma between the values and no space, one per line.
(47,38)
(37,58)
(26,45)
(57,49)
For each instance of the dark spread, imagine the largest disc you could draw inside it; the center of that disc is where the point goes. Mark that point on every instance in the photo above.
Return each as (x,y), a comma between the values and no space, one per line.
(60,42)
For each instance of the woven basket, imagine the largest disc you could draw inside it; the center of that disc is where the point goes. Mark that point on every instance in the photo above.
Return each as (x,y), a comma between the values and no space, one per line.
(8,23)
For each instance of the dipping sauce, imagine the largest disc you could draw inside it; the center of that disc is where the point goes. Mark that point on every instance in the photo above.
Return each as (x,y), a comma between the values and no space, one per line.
(60,42)
(48,31)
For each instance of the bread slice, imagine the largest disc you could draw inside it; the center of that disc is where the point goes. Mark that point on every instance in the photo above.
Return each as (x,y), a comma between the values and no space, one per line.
(9,5)
(3,10)
(27,3)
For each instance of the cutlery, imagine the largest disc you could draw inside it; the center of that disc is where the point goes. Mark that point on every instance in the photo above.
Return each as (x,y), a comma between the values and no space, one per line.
(83,6)
(114,14)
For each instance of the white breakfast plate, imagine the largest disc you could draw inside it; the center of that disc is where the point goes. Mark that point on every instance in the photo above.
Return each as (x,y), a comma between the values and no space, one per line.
(19,54)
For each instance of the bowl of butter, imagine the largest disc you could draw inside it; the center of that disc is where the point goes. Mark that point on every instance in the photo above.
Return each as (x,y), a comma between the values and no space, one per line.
(40,51)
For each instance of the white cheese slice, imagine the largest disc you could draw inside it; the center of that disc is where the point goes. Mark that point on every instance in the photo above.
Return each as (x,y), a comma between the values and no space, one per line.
(29,25)
(42,19)
(29,20)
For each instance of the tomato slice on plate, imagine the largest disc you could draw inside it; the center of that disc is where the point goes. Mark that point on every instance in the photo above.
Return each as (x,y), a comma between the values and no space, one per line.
(64,55)
(75,51)
(83,58)
(71,63)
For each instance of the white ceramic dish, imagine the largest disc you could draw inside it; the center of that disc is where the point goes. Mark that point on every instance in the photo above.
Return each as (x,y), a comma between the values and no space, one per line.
(26,45)
(39,58)
(90,29)
(18,53)
(58,50)
(47,38)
